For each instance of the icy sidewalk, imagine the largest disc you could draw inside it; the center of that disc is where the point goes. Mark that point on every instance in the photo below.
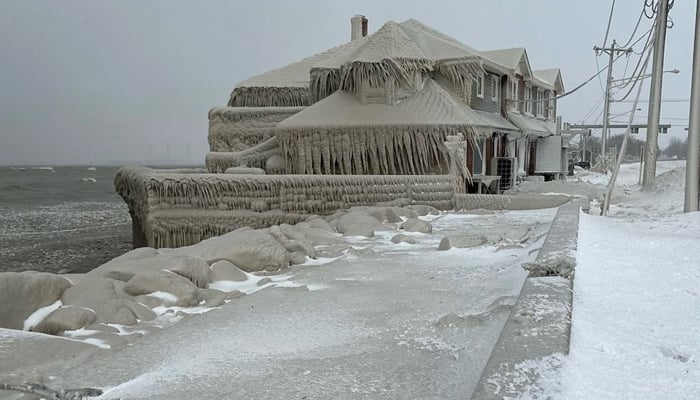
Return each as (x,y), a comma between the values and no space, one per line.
(636,312)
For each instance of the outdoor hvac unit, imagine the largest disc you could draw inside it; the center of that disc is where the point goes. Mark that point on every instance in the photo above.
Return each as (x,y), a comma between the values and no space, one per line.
(505,167)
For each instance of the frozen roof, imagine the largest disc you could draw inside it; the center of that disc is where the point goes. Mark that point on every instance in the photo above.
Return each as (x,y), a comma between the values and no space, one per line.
(510,58)
(395,49)
(551,77)
(390,41)
(436,45)
(296,74)
(430,106)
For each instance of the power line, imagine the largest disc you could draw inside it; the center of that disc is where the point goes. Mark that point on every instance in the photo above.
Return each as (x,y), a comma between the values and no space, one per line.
(634,32)
(638,78)
(607,30)
(662,100)
(600,71)
(668,118)
(593,109)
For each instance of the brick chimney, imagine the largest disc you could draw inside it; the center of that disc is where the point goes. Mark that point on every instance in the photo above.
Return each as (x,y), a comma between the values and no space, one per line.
(358,24)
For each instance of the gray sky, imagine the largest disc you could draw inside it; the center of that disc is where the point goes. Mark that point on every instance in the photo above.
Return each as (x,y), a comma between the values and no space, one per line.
(85,82)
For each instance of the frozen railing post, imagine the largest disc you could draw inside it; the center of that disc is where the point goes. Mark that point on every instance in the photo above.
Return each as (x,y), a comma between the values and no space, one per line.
(457,151)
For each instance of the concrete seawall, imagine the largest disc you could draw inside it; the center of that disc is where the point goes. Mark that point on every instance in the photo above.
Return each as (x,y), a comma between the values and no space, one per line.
(539,325)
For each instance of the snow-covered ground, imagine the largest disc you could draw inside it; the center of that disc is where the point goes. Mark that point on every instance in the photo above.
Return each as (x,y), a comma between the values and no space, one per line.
(636,308)
(385,320)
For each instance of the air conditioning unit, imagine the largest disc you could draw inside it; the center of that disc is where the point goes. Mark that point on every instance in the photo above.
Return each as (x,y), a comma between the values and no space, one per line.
(506,168)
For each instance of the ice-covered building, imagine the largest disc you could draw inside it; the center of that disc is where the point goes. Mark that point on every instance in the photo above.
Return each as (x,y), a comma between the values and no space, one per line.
(406,113)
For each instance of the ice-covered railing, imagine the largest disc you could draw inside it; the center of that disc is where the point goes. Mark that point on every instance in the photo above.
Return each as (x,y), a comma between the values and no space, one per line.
(172,208)
(234,129)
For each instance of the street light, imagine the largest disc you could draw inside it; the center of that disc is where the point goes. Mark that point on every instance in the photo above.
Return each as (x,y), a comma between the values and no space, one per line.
(624,113)
(622,80)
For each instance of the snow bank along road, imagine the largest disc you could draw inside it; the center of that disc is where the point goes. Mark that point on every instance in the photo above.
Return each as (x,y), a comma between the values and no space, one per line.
(635,330)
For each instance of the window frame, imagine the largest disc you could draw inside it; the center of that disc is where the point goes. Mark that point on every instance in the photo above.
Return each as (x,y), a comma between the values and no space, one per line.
(552,107)
(495,88)
(528,100)
(514,93)
(480,85)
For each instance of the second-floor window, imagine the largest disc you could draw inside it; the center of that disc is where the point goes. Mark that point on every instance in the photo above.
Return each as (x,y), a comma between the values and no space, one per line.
(495,88)
(528,99)
(514,94)
(480,85)
(540,102)
(551,111)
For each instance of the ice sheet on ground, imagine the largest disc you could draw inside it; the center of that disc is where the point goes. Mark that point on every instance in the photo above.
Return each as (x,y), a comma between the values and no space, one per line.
(371,331)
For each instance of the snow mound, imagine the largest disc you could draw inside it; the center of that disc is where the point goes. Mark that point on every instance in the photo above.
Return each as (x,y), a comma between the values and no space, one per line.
(572,188)
(671,181)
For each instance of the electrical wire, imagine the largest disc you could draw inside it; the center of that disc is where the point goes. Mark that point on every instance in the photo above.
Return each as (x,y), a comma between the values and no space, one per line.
(597,74)
(636,27)
(652,7)
(600,80)
(639,76)
(607,30)
(627,81)
(593,109)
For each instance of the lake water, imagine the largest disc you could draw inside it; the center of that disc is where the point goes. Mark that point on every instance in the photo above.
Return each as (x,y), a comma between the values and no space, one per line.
(60,219)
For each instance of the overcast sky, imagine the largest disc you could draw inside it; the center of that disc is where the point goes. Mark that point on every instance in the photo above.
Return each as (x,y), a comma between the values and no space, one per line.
(87,82)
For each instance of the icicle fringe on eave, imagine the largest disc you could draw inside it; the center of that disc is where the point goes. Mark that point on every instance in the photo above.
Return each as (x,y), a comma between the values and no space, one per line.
(368,150)
(240,113)
(376,74)
(269,97)
(461,74)
(323,82)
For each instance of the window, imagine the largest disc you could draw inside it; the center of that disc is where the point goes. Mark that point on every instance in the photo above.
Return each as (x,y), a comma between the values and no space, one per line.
(528,99)
(540,102)
(495,88)
(514,94)
(480,85)
(551,112)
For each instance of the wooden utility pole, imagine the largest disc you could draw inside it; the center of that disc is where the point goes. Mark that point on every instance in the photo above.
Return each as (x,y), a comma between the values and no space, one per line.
(611,52)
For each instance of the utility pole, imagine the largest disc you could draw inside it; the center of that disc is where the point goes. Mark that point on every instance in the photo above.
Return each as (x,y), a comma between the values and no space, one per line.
(611,52)
(652,145)
(692,169)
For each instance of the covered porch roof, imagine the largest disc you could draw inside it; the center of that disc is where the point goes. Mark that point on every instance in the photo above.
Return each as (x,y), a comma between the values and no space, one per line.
(533,126)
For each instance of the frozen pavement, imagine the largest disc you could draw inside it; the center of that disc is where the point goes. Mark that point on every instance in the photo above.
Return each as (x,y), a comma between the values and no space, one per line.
(383,321)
